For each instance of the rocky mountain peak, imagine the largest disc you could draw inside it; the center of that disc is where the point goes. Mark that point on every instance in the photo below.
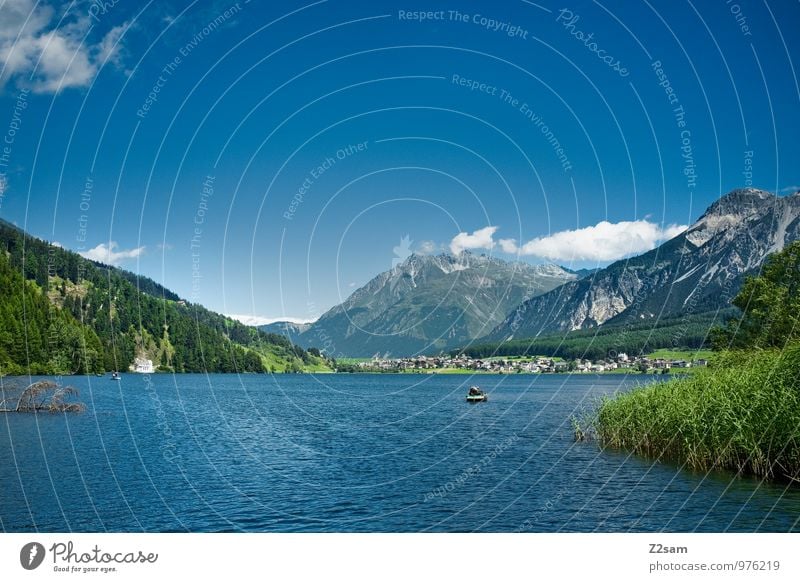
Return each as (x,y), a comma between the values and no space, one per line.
(696,271)
(742,202)
(448,263)
(733,211)
(431,302)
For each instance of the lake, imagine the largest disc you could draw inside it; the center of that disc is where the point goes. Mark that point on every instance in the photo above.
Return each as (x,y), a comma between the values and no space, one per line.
(341,453)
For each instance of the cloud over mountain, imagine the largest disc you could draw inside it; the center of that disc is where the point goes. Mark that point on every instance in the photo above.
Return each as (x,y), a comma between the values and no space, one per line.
(480,239)
(605,241)
(107,253)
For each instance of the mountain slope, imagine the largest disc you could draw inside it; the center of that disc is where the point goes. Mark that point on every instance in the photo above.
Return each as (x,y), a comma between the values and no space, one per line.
(429,303)
(288,329)
(76,316)
(681,332)
(36,336)
(699,270)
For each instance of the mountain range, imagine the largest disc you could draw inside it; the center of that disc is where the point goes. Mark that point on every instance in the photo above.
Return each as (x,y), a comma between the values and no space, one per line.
(699,270)
(427,303)
(432,303)
(78,315)
(289,329)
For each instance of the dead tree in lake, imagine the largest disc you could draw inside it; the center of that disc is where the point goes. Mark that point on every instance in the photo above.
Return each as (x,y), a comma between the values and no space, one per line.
(43,396)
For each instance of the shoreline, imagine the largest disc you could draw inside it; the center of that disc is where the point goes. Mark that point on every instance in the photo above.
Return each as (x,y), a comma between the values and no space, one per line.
(681,374)
(740,415)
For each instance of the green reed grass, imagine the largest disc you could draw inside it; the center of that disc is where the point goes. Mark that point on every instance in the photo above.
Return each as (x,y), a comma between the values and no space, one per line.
(741,413)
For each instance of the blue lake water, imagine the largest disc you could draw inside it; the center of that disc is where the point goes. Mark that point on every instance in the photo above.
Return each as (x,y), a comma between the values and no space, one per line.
(352,453)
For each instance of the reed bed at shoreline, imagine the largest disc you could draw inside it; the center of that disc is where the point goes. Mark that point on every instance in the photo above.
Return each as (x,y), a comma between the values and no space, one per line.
(742,413)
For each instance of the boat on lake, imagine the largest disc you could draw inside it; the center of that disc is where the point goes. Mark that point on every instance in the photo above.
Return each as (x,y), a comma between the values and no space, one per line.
(475,394)
(115,376)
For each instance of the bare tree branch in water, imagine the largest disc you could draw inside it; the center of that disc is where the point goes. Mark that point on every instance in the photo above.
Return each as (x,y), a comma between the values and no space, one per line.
(43,396)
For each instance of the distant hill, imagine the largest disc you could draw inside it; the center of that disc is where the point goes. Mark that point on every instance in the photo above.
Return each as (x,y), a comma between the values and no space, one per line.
(429,303)
(698,271)
(288,329)
(61,314)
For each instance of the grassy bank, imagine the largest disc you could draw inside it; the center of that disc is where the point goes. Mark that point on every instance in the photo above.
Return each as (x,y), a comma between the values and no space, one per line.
(688,355)
(741,413)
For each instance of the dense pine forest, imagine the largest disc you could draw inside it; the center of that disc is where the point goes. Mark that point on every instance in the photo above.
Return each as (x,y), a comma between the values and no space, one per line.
(676,332)
(63,314)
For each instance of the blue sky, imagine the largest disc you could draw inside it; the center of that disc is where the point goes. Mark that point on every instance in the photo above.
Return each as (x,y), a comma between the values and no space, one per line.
(265,159)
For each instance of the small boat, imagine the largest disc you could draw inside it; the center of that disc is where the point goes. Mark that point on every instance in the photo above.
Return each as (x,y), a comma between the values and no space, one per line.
(115,376)
(475,394)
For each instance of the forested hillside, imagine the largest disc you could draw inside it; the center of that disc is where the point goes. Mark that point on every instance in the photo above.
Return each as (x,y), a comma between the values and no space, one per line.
(689,331)
(62,313)
(38,337)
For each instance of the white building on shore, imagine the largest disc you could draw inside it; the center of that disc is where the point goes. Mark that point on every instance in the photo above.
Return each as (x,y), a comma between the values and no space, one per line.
(143,366)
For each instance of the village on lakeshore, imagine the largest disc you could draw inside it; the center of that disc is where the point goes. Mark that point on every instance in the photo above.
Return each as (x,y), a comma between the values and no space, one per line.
(619,363)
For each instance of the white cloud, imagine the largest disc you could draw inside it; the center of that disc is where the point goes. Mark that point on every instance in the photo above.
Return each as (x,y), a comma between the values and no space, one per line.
(110,48)
(480,239)
(426,247)
(52,49)
(674,230)
(107,253)
(260,320)
(508,245)
(605,241)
